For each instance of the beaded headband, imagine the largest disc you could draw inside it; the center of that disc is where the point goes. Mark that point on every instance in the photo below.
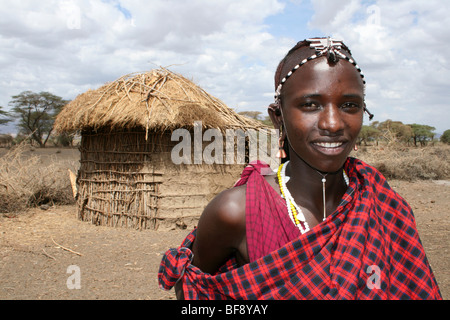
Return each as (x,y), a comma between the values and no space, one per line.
(323,46)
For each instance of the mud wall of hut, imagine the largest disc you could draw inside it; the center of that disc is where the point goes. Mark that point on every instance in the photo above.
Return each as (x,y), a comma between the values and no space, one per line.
(126,180)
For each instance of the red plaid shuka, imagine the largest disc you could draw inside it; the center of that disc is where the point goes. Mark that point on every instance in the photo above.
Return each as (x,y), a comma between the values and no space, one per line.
(368,248)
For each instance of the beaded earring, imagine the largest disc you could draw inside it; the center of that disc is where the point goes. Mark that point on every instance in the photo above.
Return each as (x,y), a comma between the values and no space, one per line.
(281,154)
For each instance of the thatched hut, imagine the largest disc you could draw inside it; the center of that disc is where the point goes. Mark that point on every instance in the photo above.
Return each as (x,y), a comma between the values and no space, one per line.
(126,177)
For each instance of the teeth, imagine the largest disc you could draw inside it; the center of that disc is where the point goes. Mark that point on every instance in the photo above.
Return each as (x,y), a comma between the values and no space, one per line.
(329,144)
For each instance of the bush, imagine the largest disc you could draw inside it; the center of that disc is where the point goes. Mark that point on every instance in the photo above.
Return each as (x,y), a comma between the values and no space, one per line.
(446,137)
(26,182)
(409,163)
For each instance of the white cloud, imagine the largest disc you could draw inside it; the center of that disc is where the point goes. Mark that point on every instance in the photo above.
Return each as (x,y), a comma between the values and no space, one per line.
(225,46)
(401,47)
(69,46)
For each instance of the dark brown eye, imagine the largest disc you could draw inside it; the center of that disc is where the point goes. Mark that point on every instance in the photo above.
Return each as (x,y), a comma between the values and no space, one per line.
(310,106)
(351,106)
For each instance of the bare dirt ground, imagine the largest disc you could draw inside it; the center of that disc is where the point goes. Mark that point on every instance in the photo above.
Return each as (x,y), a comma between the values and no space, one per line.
(114,263)
(123,263)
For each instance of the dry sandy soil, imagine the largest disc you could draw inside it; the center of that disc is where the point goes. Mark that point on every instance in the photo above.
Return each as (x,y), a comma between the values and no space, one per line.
(123,263)
(114,263)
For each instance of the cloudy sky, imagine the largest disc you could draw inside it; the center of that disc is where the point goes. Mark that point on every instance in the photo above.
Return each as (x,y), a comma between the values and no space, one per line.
(229,47)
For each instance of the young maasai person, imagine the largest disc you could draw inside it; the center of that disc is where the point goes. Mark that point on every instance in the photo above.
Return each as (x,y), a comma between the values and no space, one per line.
(325,226)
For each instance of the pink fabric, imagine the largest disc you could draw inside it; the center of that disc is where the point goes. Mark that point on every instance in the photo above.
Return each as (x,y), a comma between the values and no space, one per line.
(268,226)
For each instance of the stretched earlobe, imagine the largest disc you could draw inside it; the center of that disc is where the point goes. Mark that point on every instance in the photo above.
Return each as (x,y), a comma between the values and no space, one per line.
(275,115)
(278,112)
(368,112)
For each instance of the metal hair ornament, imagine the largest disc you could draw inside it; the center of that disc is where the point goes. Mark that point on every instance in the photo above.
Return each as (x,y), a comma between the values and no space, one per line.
(331,48)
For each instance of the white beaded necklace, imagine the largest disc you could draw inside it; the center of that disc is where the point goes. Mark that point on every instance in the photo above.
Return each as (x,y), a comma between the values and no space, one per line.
(294,210)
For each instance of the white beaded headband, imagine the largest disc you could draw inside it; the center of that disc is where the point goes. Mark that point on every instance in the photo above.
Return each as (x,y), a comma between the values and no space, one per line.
(323,46)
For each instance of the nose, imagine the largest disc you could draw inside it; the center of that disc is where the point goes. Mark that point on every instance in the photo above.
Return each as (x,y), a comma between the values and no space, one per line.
(330,120)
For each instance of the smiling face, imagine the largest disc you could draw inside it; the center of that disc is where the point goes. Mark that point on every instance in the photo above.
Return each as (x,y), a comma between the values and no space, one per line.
(322,111)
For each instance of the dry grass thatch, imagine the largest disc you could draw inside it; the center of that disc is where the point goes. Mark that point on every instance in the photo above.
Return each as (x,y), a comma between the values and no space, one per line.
(156,100)
(126,148)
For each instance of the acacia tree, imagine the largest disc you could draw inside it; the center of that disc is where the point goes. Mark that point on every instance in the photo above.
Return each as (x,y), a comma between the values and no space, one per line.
(422,133)
(36,113)
(251,114)
(395,131)
(257,115)
(367,134)
(4,114)
(446,137)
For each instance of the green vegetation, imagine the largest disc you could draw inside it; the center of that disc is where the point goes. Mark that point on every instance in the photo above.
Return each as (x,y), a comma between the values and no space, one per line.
(386,132)
(396,132)
(36,113)
(4,116)
(445,138)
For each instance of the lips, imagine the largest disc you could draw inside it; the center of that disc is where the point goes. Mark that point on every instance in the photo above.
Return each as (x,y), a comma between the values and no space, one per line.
(329,148)
(329,144)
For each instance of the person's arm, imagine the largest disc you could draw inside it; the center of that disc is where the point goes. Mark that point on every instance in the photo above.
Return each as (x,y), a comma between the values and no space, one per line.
(220,232)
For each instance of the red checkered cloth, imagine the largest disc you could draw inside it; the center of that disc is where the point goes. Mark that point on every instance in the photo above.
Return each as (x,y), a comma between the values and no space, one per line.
(368,248)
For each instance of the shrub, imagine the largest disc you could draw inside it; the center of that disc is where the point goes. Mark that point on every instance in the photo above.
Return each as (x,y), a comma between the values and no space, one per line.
(26,182)
(446,137)
(409,163)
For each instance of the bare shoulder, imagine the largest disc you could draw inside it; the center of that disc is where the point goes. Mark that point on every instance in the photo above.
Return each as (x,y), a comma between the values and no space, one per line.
(228,207)
(225,214)
(221,230)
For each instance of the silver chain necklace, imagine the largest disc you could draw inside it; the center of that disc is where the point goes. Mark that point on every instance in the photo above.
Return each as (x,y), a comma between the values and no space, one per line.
(294,210)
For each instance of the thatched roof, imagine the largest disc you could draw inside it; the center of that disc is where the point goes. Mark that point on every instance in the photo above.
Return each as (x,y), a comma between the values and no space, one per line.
(155,100)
